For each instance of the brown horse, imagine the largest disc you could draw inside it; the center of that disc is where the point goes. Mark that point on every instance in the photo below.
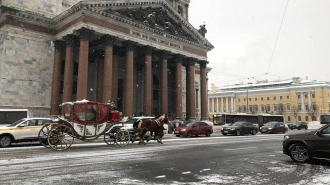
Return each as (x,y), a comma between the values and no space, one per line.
(156,125)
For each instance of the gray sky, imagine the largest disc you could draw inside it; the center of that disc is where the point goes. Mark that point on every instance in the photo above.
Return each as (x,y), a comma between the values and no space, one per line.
(244,34)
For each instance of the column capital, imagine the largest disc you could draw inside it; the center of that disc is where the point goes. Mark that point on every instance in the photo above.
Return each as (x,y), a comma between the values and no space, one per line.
(69,40)
(202,63)
(59,45)
(165,54)
(129,45)
(84,33)
(148,50)
(178,58)
(108,39)
(191,61)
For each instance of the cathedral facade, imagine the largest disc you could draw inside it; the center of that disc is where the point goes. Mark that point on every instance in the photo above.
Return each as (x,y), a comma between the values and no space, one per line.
(143,54)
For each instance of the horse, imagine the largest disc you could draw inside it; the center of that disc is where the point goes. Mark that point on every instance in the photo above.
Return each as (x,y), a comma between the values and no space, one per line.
(156,125)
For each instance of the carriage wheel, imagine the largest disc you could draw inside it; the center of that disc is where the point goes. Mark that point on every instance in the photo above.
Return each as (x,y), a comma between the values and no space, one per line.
(60,137)
(122,138)
(43,135)
(109,138)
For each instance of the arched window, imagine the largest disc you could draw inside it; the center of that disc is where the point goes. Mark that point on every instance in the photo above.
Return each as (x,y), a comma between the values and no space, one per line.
(306,118)
(289,118)
(299,118)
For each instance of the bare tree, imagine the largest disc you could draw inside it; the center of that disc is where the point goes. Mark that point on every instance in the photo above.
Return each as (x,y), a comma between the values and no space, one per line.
(295,111)
(312,111)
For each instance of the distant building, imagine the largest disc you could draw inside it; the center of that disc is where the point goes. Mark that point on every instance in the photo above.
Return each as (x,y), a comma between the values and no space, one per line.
(296,99)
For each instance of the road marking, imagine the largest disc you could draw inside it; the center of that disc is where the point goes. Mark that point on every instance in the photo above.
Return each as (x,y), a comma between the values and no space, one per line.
(188,172)
(203,170)
(158,177)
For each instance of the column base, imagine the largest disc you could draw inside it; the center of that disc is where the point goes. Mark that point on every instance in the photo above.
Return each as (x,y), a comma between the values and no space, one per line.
(191,119)
(179,118)
(204,118)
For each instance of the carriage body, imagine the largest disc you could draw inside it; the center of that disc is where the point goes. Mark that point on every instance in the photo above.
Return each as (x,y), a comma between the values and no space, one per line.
(88,118)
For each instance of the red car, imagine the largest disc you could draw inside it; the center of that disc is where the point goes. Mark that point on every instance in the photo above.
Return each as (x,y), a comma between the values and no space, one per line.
(194,129)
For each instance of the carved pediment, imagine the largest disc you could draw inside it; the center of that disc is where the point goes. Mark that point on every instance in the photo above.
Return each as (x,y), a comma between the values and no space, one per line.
(156,18)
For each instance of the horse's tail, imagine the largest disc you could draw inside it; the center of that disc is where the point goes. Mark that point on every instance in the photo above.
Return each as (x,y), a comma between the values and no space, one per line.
(135,124)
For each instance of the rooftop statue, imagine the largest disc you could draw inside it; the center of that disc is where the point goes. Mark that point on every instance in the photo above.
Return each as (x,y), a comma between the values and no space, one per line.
(202,30)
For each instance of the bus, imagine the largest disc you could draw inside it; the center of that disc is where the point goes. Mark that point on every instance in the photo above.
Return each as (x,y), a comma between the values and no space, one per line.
(325,118)
(260,120)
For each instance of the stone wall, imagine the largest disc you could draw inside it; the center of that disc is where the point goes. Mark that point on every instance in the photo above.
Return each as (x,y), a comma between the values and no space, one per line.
(26,71)
(49,8)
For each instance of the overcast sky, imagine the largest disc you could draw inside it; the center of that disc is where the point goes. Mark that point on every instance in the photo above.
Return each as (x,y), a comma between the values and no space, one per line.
(250,39)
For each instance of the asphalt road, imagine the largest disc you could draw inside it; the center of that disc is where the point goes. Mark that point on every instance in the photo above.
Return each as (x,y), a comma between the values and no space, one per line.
(200,160)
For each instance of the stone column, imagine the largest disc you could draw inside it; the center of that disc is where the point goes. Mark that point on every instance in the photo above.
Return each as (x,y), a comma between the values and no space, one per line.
(231,104)
(129,80)
(85,35)
(164,84)
(226,104)
(68,69)
(218,110)
(222,104)
(213,102)
(191,101)
(107,69)
(56,84)
(234,104)
(302,101)
(309,101)
(204,115)
(187,12)
(178,87)
(100,67)
(115,79)
(148,84)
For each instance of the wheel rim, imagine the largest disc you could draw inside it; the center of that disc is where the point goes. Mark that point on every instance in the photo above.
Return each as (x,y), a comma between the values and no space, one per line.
(122,138)
(109,138)
(299,153)
(60,137)
(254,132)
(5,141)
(238,132)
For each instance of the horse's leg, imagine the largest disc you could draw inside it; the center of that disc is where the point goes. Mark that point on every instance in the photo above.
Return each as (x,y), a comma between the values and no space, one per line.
(142,137)
(160,136)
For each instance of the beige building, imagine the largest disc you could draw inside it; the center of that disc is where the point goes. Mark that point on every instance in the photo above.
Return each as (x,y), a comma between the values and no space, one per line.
(296,99)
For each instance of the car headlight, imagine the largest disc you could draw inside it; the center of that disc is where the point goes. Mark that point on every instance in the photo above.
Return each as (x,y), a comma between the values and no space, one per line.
(183,130)
(270,128)
(232,129)
(286,137)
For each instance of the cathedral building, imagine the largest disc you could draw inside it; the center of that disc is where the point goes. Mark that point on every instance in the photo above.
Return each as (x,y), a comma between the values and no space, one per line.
(143,54)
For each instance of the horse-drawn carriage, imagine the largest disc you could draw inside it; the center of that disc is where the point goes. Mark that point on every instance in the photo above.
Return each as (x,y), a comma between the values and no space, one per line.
(84,120)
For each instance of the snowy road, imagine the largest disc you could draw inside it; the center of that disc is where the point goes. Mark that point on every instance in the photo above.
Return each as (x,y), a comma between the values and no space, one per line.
(203,160)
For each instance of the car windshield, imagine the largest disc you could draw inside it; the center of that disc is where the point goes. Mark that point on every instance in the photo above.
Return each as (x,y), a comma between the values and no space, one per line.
(237,124)
(16,123)
(189,124)
(270,124)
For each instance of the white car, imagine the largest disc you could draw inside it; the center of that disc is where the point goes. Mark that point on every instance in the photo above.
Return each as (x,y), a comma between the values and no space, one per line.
(26,129)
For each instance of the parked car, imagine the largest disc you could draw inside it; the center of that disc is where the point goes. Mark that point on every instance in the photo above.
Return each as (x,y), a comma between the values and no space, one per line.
(307,146)
(26,129)
(299,125)
(273,127)
(240,128)
(285,126)
(194,129)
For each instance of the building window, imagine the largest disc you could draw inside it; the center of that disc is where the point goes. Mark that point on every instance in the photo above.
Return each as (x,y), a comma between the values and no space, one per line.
(250,108)
(288,107)
(262,98)
(244,108)
(281,97)
(262,108)
(239,109)
(281,108)
(249,99)
(287,97)
(255,99)
(306,107)
(244,99)
(299,107)
(274,98)
(305,96)
(299,118)
(289,118)
(256,108)
(268,108)
(239,100)
(298,96)
(313,95)
(306,118)
(275,108)
(267,98)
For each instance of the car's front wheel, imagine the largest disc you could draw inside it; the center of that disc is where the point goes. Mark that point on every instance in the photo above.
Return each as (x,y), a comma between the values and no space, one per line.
(238,133)
(298,153)
(5,141)
(254,132)
(189,134)
(208,133)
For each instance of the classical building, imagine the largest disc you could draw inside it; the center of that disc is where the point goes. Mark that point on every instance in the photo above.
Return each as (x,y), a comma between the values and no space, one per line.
(296,99)
(143,54)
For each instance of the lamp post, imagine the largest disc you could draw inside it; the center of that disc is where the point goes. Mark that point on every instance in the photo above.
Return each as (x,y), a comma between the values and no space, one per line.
(247,100)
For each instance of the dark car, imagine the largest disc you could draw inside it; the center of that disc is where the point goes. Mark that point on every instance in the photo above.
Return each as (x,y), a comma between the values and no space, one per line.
(307,146)
(273,127)
(194,129)
(240,128)
(299,125)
